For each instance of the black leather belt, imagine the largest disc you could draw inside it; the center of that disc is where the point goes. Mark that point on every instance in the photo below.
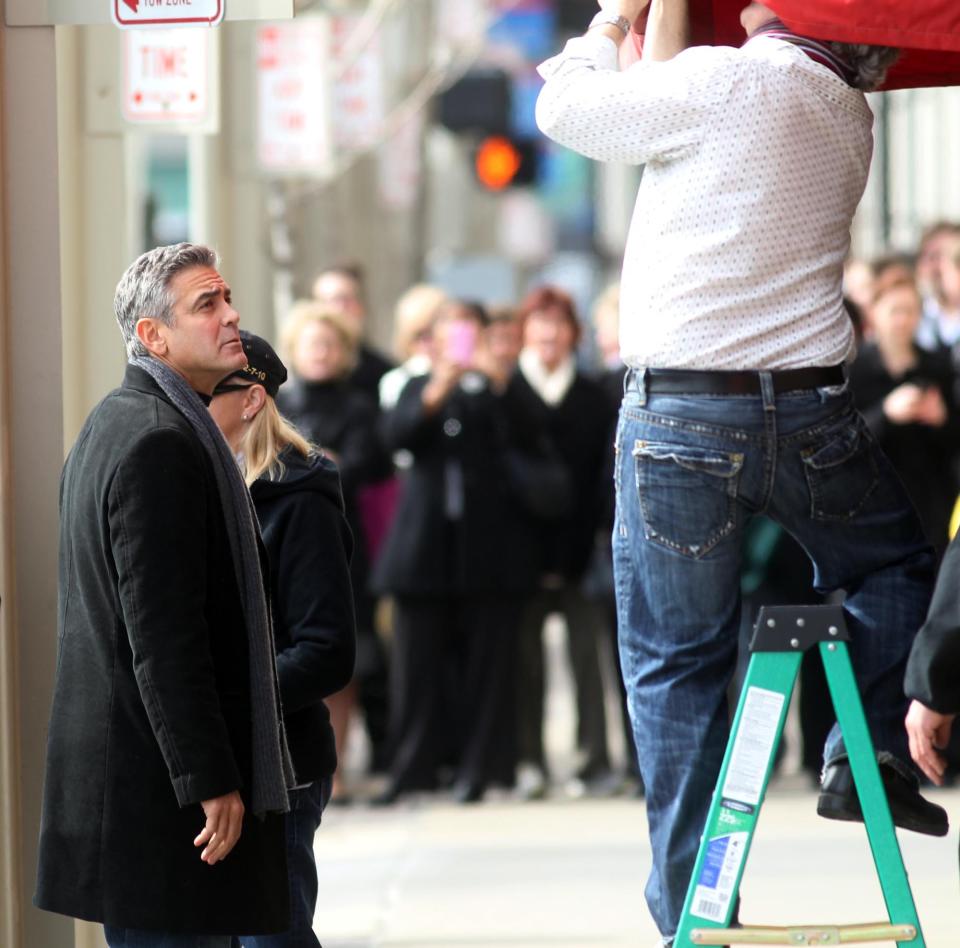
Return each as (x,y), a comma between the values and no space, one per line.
(709,382)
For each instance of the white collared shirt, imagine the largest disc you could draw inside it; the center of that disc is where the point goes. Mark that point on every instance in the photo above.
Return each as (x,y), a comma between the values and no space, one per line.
(552,387)
(756,159)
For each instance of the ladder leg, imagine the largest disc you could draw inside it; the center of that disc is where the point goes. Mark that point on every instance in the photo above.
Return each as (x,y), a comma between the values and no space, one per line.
(739,793)
(873,801)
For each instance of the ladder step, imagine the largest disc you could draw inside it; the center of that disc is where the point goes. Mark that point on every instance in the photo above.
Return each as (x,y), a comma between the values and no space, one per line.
(869,933)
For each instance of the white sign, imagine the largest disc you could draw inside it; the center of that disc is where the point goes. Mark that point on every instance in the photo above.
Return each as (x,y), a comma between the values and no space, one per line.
(460,22)
(144,14)
(165,75)
(293,105)
(400,164)
(358,104)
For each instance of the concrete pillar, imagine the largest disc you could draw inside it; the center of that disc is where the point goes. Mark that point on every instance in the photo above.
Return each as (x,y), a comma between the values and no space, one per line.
(31,455)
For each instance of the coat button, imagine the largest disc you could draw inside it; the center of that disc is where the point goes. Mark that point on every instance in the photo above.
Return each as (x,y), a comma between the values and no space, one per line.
(452,427)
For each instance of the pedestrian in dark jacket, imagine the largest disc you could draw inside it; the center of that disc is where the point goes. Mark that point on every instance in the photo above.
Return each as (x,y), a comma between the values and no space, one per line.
(167,772)
(906,395)
(341,419)
(341,289)
(458,569)
(573,414)
(296,492)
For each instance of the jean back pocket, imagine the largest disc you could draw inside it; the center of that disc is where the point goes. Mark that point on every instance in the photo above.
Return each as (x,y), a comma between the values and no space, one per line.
(687,494)
(841,471)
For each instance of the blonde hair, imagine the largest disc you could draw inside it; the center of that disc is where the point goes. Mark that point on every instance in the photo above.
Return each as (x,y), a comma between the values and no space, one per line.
(269,433)
(414,313)
(306,312)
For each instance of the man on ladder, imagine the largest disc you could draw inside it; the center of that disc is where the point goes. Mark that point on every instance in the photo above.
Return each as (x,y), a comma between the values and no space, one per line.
(734,331)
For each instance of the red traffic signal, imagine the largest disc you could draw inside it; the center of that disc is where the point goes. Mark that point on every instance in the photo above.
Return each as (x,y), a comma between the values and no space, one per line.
(500,161)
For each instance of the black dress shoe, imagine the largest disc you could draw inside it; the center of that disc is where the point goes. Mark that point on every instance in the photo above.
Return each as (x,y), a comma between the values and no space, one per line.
(839,801)
(388,796)
(466,791)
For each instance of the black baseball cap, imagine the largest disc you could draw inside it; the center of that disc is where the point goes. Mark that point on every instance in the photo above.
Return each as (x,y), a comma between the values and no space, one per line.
(263,366)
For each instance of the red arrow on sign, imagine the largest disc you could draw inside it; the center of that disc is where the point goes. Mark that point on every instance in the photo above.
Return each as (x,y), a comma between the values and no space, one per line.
(133,4)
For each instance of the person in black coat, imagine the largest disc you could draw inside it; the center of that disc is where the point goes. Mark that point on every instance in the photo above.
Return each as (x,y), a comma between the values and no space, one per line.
(458,566)
(931,679)
(341,289)
(334,414)
(298,501)
(153,759)
(599,581)
(906,396)
(572,412)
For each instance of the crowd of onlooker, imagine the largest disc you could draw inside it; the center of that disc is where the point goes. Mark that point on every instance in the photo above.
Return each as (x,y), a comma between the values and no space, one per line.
(477,481)
(905,379)
(477,478)
(905,375)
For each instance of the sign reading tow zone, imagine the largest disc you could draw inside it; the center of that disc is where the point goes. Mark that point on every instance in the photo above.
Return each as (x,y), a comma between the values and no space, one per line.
(144,14)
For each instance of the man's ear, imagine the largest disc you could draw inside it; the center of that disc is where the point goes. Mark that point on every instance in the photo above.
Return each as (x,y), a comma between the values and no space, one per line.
(149,332)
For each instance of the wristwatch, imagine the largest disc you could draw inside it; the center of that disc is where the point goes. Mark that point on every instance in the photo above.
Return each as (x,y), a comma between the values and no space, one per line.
(604,18)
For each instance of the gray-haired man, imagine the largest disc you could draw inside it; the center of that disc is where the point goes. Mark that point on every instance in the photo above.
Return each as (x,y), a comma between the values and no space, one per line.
(166,764)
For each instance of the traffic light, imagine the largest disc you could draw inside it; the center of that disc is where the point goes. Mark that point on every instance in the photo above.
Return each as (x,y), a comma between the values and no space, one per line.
(481,105)
(501,161)
(478,102)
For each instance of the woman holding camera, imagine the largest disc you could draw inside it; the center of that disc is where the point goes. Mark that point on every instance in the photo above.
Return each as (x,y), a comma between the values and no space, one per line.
(457,565)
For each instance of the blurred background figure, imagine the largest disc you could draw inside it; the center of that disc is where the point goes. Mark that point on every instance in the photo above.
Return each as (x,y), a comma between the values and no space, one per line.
(413,320)
(858,282)
(341,289)
(931,254)
(457,566)
(504,340)
(333,413)
(598,584)
(296,493)
(571,411)
(606,328)
(906,395)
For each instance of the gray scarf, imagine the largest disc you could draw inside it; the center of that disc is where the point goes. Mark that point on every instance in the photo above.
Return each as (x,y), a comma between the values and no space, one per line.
(272,768)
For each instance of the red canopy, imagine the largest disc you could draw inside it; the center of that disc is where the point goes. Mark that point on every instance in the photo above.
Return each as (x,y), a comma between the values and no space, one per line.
(928,31)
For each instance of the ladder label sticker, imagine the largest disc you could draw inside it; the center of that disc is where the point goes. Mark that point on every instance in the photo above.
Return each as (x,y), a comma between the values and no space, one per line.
(756,735)
(718,876)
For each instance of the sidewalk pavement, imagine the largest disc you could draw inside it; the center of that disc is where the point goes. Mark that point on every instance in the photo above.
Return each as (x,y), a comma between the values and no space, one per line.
(507,874)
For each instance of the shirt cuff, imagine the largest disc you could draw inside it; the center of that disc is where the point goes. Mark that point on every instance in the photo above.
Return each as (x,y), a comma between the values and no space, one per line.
(593,49)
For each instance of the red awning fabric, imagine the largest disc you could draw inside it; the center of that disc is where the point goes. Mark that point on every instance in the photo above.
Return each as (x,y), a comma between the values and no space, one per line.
(928,31)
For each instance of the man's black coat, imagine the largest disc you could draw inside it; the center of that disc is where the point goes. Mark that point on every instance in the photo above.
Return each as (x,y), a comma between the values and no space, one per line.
(151,710)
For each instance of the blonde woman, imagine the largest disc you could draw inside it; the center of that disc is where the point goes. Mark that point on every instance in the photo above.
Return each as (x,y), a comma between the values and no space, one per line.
(296,492)
(332,412)
(413,319)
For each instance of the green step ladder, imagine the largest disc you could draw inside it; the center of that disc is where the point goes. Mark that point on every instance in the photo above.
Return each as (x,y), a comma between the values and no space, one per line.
(781,636)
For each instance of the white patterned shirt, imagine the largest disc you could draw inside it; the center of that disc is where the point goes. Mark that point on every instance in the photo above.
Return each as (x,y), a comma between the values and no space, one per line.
(756,159)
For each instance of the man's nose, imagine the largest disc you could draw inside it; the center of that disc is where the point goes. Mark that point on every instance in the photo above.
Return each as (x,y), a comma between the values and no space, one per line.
(232,317)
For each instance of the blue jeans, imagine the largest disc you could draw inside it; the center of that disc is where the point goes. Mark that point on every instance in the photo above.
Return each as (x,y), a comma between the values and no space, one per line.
(691,471)
(302,823)
(139,938)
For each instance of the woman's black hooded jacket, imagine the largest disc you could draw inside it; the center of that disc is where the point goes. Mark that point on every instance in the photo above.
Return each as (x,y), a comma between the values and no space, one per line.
(309,545)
